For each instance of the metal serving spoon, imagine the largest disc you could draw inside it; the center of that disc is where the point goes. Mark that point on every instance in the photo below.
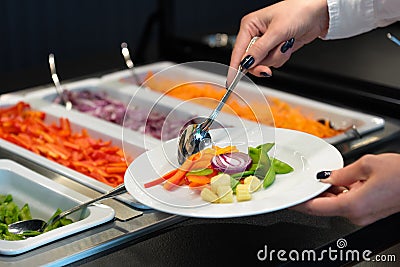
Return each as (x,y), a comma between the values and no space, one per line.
(195,137)
(56,81)
(40,225)
(129,62)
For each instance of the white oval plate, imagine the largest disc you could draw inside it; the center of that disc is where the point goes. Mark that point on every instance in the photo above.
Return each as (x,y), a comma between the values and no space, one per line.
(306,153)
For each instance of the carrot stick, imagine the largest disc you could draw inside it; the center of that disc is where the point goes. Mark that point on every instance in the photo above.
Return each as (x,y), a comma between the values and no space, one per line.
(199,179)
(161,179)
(180,173)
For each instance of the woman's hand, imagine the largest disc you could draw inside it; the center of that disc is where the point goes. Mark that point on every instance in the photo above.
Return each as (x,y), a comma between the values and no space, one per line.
(363,192)
(303,20)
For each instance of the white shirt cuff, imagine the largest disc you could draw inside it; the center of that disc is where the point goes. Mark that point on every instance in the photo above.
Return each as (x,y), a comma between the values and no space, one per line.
(349,17)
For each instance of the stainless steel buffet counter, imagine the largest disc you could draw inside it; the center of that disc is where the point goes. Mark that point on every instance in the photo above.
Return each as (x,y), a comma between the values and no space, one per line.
(129,224)
(152,238)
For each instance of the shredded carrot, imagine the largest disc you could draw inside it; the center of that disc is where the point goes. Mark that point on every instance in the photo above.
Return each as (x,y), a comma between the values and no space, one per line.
(282,114)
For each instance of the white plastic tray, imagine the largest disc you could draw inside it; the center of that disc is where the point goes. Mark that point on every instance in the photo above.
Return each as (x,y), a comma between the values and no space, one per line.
(27,186)
(341,117)
(133,145)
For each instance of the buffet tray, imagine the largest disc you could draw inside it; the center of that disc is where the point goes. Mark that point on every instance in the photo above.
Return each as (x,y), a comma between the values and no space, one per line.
(359,124)
(133,145)
(27,186)
(142,98)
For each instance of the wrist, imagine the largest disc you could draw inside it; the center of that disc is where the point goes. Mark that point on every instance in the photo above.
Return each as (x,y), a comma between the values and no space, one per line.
(323,16)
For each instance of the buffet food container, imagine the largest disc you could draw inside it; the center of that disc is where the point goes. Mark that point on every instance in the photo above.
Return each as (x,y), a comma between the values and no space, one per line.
(133,145)
(356,123)
(136,98)
(44,197)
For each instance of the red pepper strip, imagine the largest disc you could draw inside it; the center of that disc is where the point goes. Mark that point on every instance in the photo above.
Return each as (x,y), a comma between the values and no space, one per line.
(113,158)
(161,179)
(47,152)
(27,140)
(15,109)
(63,153)
(100,178)
(26,128)
(115,179)
(38,123)
(65,127)
(35,114)
(101,162)
(115,169)
(16,140)
(85,165)
(109,149)
(97,155)
(118,164)
(71,145)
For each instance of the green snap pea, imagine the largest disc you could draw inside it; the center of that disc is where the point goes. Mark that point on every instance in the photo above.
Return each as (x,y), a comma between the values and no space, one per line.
(281,167)
(264,163)
(269,177)
(254,154)
(202,172)
(266,147)
(234,183)
(242,174)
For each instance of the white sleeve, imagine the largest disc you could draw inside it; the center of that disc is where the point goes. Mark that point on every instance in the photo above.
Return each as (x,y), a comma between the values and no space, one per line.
(352,17)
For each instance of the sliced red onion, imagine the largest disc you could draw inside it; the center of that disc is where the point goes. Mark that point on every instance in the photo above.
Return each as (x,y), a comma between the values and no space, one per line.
(100,105)
(231,163)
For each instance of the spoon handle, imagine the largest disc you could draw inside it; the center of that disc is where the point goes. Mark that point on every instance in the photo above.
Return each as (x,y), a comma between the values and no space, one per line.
(57,84)
(129,62)
(114,192)
(239,74)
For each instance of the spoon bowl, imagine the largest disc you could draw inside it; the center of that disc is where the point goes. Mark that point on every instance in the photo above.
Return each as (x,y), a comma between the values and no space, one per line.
(28,225)
(195,137)
(192,140)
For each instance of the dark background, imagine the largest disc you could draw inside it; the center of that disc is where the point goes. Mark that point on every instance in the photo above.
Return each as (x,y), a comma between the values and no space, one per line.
(85,37)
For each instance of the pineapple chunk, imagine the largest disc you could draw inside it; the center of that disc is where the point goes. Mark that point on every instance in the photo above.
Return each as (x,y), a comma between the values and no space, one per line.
(218,180)
(253,182)
(208,195)
(243,192)
(225,194)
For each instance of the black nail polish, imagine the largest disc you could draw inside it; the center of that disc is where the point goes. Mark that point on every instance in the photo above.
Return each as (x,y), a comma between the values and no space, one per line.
(288,44)
(323,174)
(265,74)
(247,62)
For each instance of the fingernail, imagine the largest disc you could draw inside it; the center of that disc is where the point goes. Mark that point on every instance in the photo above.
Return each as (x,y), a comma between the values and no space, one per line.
(247,62)
(265,74)
(323,174)
(288,44)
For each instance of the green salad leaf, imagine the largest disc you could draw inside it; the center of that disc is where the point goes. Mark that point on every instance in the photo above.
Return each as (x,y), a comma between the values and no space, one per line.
(10,213)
